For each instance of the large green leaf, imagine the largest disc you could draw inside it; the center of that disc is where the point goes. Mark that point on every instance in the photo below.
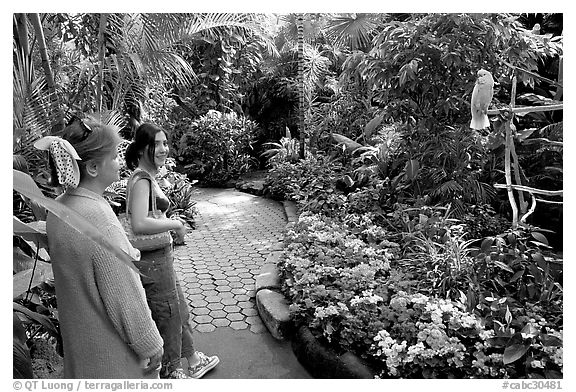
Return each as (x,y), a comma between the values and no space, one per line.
(25,185)
(20,260)
(39,318)
(411,169)
(514,352)
(350,144)
(33,231)
(373,125)
(22,363)
(21,280)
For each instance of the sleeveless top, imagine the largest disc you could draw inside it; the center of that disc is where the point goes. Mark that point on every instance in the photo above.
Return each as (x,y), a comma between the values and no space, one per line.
(162,201)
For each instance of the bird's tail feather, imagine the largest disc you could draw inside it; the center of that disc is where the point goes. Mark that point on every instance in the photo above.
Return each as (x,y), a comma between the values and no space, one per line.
(480,122)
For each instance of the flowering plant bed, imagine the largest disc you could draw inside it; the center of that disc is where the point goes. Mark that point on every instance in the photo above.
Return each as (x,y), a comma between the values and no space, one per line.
(345,284)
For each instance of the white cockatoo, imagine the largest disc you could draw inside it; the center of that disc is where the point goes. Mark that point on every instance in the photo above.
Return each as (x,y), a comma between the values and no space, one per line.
(481,98)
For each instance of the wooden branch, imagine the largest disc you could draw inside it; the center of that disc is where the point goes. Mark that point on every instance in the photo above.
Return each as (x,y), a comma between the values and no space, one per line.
(560,91)
(549,201)
(508,174)
(528,109)
(529,189)
(516,165)
(515,162)
(532,208)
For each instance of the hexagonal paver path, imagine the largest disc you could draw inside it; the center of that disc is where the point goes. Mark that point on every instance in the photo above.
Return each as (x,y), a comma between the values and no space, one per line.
(217,267)
(234,233)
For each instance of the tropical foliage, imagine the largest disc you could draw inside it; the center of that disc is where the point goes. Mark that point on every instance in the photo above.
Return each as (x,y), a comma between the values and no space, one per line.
(404,253)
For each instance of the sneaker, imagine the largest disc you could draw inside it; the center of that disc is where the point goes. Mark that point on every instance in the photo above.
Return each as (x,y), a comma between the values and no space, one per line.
(204,366)
(177,374)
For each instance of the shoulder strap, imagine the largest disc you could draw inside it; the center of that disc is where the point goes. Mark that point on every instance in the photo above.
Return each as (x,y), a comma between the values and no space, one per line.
(139,174)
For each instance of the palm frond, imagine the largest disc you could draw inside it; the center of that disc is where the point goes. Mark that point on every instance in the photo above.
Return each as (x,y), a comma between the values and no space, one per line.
(351,30)
(33,105)
(447,189)
(553,131)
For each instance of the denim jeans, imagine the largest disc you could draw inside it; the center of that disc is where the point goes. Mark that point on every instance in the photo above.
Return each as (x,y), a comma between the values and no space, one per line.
(168,305)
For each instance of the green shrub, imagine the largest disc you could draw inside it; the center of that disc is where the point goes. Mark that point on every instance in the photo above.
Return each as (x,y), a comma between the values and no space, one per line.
(310,182)
(217,147)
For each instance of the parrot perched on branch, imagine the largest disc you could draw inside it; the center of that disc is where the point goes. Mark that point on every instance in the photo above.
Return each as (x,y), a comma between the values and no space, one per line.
(481,98)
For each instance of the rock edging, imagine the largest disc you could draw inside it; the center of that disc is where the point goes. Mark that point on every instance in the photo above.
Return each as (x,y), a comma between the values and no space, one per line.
(322,362)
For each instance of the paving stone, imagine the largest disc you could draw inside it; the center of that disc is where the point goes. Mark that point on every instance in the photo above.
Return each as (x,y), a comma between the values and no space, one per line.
(221,322)
(200,311)
(204,319)
(229,301)
(238,325)
(235,316)
(215,306)
(194,297)
(245,304)
(205,328)
(249,311)
(218,314)
(242,297)
(231,308)
(213,298)
(194,290)
(210,293)
(198,303)
(224,290)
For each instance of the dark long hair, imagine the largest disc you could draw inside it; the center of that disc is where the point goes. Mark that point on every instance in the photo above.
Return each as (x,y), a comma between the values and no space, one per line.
(145,136)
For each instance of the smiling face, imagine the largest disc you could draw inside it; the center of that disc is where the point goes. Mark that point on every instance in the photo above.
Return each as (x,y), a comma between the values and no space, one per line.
(160,149)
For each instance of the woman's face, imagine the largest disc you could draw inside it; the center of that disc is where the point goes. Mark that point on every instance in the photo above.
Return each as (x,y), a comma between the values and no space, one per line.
(161,149)
(109,168)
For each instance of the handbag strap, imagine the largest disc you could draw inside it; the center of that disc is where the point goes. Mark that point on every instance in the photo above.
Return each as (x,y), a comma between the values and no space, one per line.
(139,174)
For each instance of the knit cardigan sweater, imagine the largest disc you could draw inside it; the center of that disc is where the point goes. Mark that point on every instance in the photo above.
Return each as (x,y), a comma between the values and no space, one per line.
(107,328)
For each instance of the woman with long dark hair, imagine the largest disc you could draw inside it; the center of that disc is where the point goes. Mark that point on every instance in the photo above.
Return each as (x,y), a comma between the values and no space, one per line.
(145,155)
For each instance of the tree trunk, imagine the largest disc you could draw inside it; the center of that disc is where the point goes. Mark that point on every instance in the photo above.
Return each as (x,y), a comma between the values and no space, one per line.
(35,20)
(301,131)
(22,31)
(102,52)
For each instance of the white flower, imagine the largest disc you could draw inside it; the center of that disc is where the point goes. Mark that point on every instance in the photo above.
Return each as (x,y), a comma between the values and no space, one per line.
(367,298)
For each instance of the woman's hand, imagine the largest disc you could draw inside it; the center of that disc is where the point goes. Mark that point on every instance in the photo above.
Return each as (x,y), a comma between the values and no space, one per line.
(180,231)
(154,362)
